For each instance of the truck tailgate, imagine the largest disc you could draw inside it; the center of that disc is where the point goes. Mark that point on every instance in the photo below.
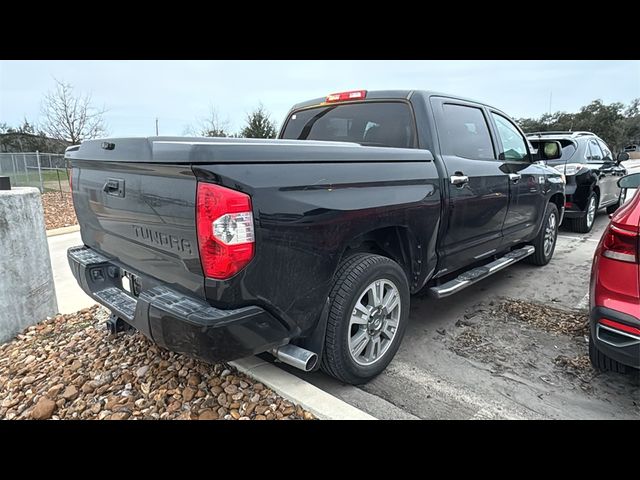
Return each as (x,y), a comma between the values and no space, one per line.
(141,215)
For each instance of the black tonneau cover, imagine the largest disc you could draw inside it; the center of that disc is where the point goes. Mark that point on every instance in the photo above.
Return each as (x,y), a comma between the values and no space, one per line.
(190,150)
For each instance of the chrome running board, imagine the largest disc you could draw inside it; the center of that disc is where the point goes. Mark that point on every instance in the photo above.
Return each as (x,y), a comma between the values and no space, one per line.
(474,275)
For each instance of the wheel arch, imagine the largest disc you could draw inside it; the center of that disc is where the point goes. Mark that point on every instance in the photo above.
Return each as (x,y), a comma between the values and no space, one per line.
(558,198)
(396,242)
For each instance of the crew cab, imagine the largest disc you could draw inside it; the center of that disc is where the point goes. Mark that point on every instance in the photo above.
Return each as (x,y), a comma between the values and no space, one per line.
(591,174)
(309,246)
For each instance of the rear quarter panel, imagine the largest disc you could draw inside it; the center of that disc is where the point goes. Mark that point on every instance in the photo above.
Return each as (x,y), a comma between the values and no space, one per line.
(305,216)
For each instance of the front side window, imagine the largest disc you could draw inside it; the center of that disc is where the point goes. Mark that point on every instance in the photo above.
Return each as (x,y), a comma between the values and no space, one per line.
(513,143)
(464,133)
(594,154)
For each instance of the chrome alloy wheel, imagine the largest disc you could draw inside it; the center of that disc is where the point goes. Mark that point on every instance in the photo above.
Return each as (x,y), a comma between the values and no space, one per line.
(374,322)
(549,235)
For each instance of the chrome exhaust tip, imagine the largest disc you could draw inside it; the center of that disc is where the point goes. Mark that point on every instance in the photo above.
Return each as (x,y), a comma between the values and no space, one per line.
(296,356)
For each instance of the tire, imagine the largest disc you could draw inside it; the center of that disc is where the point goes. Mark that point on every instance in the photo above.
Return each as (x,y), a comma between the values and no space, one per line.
(353,280)
(612,208)
(584,224)
(601,362)
(544,250)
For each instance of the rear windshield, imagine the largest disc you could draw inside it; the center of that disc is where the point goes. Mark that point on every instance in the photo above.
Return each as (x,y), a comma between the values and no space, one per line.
(568,149)
(384,124)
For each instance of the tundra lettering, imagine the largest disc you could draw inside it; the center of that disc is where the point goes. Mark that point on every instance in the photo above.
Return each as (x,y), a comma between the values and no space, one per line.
(162,239)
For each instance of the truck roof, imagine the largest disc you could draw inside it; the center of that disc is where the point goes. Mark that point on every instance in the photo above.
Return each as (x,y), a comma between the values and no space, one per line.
(393,94)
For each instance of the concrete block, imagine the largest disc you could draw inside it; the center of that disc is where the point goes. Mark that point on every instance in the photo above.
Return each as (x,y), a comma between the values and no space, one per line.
(27,292)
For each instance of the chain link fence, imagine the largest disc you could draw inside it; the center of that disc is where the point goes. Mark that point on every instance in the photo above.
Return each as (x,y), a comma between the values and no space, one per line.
(46,171)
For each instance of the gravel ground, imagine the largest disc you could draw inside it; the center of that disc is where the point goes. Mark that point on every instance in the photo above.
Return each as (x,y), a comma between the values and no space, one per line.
(549,319)
(58,210)
(69,367)
(531,341)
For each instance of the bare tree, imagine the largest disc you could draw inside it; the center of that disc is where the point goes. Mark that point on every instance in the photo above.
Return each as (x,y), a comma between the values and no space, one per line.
(210,126)
(71,117)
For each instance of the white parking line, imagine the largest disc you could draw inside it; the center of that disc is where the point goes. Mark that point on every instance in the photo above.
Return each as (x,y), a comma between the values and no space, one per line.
(583,303)
(485,409)
(579,238)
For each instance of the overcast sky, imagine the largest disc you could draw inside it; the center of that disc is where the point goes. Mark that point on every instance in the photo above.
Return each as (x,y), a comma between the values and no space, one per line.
(180,93)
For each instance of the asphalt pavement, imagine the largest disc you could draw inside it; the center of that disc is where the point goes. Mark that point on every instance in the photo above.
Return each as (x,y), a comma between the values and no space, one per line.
(428,380)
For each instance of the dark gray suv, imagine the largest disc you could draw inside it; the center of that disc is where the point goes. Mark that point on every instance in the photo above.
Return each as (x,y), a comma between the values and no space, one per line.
(591,174)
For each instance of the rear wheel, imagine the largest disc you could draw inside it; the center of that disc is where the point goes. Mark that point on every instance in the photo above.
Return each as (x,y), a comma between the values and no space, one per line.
(367,318)
(584,224)
(601,362)
(545,242)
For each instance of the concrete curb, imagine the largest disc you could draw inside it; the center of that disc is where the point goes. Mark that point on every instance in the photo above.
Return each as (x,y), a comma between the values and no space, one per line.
(322,404)
(61,231)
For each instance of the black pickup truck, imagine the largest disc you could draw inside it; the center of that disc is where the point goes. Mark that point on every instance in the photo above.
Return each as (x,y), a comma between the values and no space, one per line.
(309,246)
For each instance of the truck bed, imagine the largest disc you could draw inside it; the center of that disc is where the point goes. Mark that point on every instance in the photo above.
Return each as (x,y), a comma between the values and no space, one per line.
(309,200)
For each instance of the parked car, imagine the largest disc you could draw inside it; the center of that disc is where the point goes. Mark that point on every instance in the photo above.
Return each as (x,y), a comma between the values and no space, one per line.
(309,246)
(633,150)
(591,174)
(631,166)
(615,289)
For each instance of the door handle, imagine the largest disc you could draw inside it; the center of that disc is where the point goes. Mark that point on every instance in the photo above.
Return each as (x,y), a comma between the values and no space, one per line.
(459,179)
(111,186)
(514,177)
(114,186)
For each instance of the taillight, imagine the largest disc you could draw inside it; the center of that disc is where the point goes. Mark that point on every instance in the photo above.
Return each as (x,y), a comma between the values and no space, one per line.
(620,326)
(224,221)
(620,244)
(344,96)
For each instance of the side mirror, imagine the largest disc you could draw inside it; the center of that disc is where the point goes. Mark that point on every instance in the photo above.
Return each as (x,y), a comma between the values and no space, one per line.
(622,157)
(550,150)
(630,181)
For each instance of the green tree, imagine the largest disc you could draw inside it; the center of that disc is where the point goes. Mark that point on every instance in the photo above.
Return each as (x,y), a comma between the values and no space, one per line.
(606,121)
(614,123)
(631,124)
(259,125)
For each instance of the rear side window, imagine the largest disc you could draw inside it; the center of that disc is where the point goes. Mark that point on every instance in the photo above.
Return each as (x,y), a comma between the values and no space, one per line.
(383,124)
(464,133)
(593,153)
(568,148)
(605,150)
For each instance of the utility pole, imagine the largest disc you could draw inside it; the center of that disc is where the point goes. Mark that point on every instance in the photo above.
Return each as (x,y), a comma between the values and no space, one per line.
(550,98)
(156,126)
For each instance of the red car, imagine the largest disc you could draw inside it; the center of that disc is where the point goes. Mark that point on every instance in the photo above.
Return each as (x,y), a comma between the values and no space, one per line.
(615,289)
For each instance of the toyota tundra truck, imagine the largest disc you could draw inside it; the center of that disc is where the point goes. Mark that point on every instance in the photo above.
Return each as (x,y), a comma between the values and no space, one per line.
(310,245)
